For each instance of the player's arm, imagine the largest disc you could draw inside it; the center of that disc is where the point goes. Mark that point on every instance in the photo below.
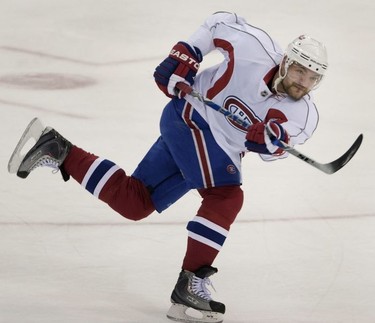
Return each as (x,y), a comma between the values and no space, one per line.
(183,61)
(203,38)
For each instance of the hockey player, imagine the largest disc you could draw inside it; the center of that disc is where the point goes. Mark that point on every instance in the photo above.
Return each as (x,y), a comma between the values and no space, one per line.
(200,148)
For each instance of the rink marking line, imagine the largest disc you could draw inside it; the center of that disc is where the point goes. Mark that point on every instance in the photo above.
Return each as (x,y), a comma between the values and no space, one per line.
(77,61)
(130,223)
(41,109)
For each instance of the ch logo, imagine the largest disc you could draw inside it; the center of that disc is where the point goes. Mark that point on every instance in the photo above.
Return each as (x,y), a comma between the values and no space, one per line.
(238,108)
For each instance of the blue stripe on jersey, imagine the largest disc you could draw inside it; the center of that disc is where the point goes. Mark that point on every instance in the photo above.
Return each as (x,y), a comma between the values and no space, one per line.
(206,232)
(97,175)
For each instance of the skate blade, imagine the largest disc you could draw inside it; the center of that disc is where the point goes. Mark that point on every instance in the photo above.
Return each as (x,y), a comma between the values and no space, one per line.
(182,313)
(33,131)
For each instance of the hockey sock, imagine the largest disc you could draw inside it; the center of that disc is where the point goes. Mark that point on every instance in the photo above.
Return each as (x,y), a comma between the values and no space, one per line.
(108,182)
(208,230)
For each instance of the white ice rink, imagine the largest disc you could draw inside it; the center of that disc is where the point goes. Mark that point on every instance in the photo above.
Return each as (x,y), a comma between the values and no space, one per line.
(303,247)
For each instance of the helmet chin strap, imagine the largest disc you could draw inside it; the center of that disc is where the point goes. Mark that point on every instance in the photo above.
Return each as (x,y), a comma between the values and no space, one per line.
(283,71)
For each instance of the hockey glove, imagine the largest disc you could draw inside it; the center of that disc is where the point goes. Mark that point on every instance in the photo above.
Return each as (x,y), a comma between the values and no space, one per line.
(181,65)
(260,142)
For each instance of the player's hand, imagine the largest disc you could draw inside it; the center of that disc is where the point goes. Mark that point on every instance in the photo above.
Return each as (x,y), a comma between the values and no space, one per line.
(181,65)
(259,141)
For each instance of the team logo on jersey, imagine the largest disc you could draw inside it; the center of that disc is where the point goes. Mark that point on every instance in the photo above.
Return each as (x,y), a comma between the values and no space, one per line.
(238,108)
(231,169)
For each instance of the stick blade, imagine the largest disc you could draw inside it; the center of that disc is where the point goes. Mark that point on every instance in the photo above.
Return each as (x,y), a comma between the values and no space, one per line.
(339,163)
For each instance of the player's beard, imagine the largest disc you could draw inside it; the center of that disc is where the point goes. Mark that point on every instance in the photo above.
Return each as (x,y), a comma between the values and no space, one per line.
(294,90)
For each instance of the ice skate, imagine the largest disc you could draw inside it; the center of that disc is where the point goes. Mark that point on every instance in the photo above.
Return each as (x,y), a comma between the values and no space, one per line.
(50,149)
(191,299)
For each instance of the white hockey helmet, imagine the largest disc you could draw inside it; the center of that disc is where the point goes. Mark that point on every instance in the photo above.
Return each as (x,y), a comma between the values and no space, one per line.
(308,52)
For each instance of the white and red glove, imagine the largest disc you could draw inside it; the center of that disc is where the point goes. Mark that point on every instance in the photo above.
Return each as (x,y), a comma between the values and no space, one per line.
(181,65)
(258,140)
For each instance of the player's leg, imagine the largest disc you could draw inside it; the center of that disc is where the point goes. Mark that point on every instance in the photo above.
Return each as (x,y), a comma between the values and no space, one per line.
(207,167)
(108,182)
(206,235)
(208,230)
(156,183)
(101,177)
(162,177)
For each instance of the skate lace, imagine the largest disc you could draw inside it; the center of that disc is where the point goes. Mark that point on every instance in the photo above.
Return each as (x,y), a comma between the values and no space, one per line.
(200,287)
(47,161)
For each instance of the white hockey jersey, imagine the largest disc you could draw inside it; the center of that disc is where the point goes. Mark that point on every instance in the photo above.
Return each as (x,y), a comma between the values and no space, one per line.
(239,83)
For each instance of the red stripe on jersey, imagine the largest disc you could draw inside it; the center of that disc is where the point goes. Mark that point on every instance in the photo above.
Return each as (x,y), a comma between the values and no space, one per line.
(222,82)
(270,74)
(200,147)
(276,115)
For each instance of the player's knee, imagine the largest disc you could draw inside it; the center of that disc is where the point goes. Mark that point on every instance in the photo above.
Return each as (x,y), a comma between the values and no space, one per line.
(136,215)
(225,202)
(134,211)
(128,197)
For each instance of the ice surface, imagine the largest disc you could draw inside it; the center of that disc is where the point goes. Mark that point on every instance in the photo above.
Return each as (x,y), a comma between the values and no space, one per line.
(303,248)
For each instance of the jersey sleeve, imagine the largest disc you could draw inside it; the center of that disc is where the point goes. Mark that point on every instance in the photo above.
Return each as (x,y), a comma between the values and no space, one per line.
(204,36)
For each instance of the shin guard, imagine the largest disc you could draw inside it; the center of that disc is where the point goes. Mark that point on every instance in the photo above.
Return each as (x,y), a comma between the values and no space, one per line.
(208,230)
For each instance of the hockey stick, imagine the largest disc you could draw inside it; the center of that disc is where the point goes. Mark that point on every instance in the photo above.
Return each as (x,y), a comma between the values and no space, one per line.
(328,168)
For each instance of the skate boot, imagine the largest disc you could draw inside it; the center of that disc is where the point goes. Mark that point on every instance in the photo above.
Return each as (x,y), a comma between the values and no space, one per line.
(49,150)
(191,299)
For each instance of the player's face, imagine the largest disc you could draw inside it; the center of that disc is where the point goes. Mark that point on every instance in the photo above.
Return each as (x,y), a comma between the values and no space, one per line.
(299,81)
